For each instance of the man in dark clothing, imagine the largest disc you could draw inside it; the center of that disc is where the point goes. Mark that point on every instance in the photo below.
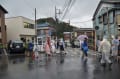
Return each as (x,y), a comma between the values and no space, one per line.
(8,46)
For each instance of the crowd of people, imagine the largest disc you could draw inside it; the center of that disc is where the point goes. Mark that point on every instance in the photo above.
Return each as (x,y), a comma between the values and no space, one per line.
(51,46)
(109,50)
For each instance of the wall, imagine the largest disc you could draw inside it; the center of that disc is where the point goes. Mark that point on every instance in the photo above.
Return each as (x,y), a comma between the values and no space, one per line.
(15,28)
(2,25)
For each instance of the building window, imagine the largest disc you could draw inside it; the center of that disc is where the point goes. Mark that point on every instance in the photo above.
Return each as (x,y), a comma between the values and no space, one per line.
(100,19)
(28,25)
(118,19)
(105,20)
(111,17)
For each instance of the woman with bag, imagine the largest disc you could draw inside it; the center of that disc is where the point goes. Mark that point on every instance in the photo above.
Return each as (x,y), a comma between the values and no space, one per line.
(62,46)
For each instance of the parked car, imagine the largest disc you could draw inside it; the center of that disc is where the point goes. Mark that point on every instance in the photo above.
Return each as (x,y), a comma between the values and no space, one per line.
(17,47)
(77,44)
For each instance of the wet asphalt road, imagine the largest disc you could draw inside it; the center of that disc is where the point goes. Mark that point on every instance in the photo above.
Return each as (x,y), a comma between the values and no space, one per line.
(57,67)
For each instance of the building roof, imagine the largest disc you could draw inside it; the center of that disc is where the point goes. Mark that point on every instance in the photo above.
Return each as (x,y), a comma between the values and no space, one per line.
(111,0)
(104,1)
(18,17)
(3,9)
(46,24)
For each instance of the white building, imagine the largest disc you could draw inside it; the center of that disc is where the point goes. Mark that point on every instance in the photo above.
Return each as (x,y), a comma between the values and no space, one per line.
(20,28)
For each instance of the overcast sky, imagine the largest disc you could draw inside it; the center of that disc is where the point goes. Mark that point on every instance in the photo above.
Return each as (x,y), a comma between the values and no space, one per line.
(80,14)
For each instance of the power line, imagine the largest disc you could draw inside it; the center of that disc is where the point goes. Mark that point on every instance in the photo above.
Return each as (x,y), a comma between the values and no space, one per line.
(68,8)
(72,6)
(65,5)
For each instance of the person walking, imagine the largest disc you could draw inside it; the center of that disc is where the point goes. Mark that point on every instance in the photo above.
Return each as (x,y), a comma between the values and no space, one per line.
(85,48)
(57,44)
(9,45)
(30,47)
(104,48)
(35,55)
(115,44)
(53,46)
(72,43)
(47,48)
(98,41)
(62,46)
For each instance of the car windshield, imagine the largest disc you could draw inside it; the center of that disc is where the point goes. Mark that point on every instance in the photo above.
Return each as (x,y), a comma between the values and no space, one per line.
(17,44)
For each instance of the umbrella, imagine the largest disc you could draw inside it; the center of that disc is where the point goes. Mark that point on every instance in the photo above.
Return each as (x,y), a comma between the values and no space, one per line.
(82,37)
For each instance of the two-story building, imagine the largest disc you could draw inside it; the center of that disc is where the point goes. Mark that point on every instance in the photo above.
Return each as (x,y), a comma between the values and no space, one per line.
(3,35)
(106,19)
(20,28)
(45,30)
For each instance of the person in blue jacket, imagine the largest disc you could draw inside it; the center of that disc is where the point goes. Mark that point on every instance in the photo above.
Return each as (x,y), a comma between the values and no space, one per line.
(30,47)
(85,48)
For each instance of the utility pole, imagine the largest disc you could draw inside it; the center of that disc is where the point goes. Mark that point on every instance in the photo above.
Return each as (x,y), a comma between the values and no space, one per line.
(57,12)
(35,27)
(69,21)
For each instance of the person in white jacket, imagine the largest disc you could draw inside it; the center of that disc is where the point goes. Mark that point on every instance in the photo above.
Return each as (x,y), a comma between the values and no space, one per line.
(105,48)
(53,46)
(115,43)
(35,50)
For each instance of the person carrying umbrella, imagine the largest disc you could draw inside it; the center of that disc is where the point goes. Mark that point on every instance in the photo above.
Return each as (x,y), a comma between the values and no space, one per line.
(81,39)
(85,48)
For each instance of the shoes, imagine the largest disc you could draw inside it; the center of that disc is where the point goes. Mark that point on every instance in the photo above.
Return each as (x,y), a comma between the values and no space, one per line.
(109,65)
(103,65)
